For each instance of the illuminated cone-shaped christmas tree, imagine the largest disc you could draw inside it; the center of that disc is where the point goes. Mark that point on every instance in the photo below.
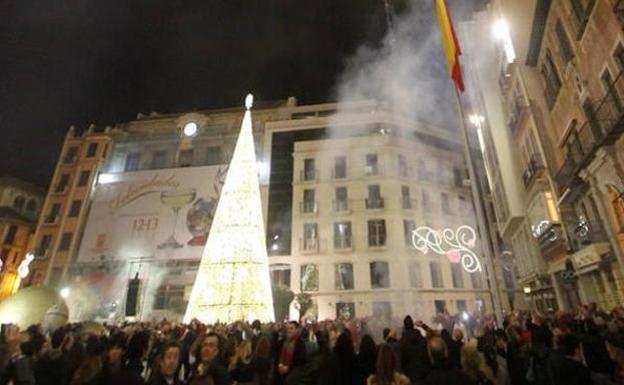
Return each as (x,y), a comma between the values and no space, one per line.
(233,281)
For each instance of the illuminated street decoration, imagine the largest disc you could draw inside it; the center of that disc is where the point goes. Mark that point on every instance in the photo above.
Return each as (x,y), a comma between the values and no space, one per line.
(457,245)
(233,281)
(540,228)
(23,269)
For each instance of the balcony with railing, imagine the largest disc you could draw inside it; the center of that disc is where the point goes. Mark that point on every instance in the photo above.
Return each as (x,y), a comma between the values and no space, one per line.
(339,173)
(308,207)
(308,176)
(309,245)
(343,243)
(552,242)
(533,170)
(518,114)
(604,125)
(374,203)
(342,206)
(50,219)
(408,204)
(372,170)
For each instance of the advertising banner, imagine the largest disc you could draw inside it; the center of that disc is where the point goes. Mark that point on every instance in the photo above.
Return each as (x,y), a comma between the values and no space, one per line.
(155,214)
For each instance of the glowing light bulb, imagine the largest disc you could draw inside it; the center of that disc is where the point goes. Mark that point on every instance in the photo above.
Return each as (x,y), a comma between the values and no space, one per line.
(190,129)
(64,292)
(249,101)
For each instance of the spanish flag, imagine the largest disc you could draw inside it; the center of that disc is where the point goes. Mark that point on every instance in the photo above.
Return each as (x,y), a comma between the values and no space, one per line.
(450,43)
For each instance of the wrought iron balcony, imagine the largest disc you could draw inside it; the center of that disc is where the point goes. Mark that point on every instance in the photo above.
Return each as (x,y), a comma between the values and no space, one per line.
(309,245)
(533,170)
(603,127)
(309,175)
(518,113)
(308,207)
(375,203)
(342,206)
(343,242)
(372,170)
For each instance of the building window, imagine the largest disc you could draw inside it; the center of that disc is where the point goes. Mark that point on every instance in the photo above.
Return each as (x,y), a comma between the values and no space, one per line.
(458,177)
(309,204)
(53,213)
(71,155)
(133,160)
(185,158)
(310,237)
(4,255)
(372,165)
(74,209)
(66,239)
(18,203)
(406,200)
(581,11)
(214,156)
(344,276)
(436,275)
(83,178)
(611,93)
(31,206)
(402,165)
(280,275)
(440,306)
(446,204)
(415,275)
(340,167)
(618,56)
(10,237)
(309,169)
(342,201)
(408,231)
(374,200)
(423,174)
(159,159)
(426,203)
(508,279)
(461,306)
(564,43)
(309,278)
(342,235)
(44,244)
(377,232)
(551,78)
(380,275)
(345,310)
(92,150)
(382,310)
(457,276)
(62,184)
(477,280)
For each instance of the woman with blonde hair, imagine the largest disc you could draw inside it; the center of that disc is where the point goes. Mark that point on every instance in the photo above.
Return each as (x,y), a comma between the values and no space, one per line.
(241,368)
(386,372)
(472,364)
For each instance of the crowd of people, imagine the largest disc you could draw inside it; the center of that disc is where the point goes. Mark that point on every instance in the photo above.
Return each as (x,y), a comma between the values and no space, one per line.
(584,347)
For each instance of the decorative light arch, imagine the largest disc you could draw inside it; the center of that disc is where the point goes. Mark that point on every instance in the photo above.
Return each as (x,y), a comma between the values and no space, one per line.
(456,244)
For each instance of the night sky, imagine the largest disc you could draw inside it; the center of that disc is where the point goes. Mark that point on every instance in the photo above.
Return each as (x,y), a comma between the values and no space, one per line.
(65,62)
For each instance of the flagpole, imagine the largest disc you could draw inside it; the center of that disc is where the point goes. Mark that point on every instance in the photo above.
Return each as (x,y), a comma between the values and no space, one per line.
(486,240)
